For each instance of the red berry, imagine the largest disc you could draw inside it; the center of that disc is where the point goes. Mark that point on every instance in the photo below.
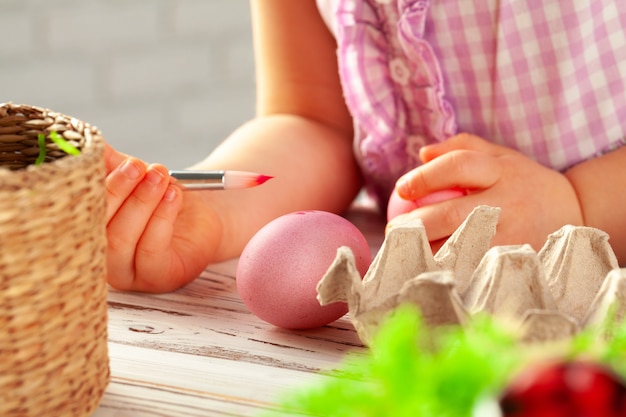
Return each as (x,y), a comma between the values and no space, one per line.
(569,389)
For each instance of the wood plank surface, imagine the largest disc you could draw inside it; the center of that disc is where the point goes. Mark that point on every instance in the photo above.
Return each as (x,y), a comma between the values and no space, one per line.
(198,351)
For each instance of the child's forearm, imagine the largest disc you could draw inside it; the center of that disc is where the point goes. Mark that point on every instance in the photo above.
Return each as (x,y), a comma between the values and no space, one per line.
(601,187)
(312,165)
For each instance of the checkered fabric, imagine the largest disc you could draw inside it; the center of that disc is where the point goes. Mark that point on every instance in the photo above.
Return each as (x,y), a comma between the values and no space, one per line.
(547,78)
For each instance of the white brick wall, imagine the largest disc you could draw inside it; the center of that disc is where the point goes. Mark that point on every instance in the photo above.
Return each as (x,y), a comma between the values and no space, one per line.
(165,80)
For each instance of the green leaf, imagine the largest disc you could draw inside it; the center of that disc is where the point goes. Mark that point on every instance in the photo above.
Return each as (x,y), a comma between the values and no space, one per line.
(41,141)
(64,145)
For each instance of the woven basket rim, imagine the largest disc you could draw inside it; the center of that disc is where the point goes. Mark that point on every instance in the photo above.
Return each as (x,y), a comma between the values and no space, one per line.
(90,149)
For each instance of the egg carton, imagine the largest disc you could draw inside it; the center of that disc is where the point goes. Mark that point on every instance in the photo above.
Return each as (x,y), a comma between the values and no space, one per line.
(573,282)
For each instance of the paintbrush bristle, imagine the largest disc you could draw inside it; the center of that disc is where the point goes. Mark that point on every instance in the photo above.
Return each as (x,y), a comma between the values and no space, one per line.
(243,179)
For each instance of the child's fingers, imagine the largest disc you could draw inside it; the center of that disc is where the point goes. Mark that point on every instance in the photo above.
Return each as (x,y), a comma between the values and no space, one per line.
(112,158)
(127,225)
(121,182)
(442,219)
(461,169)
(461,141)
(156,241)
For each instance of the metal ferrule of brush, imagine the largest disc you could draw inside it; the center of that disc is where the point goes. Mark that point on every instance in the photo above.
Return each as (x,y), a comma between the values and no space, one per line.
(200,180)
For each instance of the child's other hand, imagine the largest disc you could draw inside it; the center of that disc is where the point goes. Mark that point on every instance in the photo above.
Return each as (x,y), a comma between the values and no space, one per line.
(535,200)
(153,245)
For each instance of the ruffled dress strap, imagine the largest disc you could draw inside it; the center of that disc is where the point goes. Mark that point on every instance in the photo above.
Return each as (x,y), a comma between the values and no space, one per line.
(393,86)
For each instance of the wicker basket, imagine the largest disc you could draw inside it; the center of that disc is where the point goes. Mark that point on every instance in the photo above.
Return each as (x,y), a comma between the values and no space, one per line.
(53,292)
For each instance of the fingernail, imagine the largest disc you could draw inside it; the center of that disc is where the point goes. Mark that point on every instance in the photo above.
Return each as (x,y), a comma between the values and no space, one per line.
(154,177)
(170,194)
(131,170)
(402,185)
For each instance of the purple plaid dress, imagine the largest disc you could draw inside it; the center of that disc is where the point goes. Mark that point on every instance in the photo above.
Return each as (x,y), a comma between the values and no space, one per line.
(547,78)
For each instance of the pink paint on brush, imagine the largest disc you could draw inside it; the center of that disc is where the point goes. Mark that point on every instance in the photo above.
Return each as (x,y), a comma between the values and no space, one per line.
(261,179)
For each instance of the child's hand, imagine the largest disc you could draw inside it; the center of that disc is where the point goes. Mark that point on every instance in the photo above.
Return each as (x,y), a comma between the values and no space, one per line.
(535,200)
(157,238)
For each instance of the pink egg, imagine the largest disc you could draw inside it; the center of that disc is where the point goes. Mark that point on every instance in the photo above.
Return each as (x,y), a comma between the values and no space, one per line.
(281,265)
(397,205)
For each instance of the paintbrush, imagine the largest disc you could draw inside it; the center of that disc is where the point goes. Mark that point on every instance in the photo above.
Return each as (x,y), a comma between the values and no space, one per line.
(218,180)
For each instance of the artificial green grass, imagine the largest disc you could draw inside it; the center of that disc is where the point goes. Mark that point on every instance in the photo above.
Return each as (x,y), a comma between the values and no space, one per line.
(412,370)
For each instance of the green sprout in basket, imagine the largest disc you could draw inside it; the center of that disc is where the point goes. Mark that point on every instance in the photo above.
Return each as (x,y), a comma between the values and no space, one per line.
(64,145)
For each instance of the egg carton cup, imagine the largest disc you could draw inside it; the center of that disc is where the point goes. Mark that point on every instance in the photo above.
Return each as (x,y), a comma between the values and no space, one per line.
(573,282)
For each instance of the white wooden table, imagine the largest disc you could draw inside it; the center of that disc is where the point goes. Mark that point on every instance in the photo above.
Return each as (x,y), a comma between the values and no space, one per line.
(198,351)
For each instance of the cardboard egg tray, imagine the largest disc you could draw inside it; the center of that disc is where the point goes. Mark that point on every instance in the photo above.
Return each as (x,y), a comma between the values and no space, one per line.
(572,282)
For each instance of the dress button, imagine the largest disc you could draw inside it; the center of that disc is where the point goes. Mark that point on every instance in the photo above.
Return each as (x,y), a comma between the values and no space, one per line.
(399,71)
